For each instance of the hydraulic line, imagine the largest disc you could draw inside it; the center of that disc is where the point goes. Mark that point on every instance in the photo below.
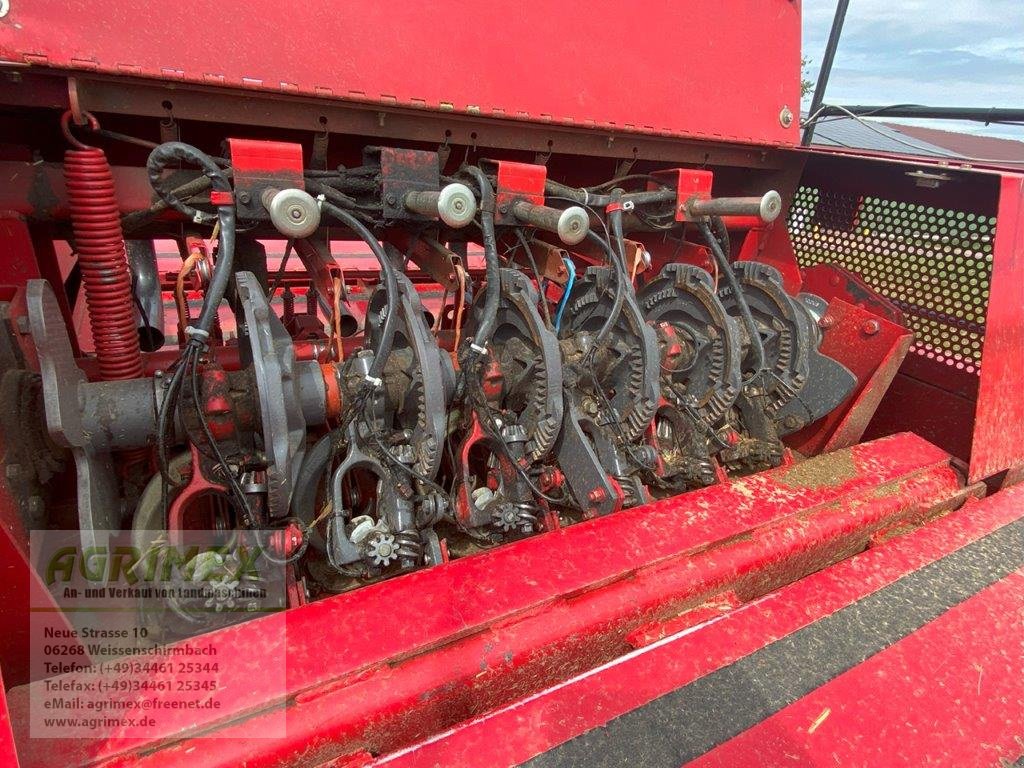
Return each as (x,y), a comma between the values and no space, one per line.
(99,242)
(492,295)
(159,159)
(387,268)
(588,198)
(726,271)
(620,288)
(199,332)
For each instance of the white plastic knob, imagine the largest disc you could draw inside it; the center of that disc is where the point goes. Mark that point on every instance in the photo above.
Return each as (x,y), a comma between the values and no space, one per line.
(294,213)
(573,225)
(456,205)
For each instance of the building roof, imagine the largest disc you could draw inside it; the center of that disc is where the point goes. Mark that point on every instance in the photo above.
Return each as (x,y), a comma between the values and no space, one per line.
(915,141)
(966,144)
(876,137)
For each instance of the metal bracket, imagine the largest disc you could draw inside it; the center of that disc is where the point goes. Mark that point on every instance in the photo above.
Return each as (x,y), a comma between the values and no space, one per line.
(277,382)
(98,499)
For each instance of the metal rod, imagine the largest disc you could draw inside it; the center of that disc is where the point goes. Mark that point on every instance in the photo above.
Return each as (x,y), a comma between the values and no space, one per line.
(826,66)
(978,114)
(571,225)
(767,207)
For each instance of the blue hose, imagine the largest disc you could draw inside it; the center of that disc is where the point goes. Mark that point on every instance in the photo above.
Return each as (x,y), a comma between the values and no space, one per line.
(565,296)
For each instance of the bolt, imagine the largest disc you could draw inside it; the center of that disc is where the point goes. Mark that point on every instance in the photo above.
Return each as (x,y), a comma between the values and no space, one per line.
(871,327)
(791,422)
(13,471)
(597,495)
(825,322)
(786,117)
(391,200)
(503,208)
(244,198)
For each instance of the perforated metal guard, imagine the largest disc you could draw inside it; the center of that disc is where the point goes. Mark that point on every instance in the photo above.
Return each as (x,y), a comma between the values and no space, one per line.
(935,264)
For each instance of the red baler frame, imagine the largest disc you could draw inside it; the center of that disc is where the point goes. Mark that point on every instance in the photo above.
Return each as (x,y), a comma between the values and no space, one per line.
(461,664)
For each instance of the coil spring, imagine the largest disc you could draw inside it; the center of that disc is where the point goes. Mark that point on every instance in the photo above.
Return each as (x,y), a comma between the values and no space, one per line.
(99,242)
(409,547)
(627,484)
(287,305)
(706,472)
(527,516)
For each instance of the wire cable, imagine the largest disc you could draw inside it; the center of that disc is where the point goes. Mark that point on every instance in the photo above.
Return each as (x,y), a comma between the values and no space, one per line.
(390,312)
(955,158)
(571,269)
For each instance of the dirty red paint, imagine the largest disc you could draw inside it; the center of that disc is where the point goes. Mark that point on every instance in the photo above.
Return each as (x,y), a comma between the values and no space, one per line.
(535,725)
(455,652)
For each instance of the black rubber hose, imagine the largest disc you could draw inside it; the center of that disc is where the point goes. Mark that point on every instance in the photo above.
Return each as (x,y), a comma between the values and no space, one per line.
(491,261)
(387,336)
(176,151)
(585,197)
(727,272)
(618,266)
(136,219)
(722,233)
(173,152)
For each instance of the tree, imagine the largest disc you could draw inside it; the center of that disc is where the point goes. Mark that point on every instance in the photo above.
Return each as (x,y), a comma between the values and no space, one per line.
(806,84)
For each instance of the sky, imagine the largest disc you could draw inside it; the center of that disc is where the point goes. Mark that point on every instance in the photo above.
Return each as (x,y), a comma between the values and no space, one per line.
(941,53)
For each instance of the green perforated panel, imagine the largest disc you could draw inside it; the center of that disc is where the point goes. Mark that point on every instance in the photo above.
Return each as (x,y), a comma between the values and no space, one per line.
(934,264)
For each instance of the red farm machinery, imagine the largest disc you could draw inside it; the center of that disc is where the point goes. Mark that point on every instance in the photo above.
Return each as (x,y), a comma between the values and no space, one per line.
(501,398)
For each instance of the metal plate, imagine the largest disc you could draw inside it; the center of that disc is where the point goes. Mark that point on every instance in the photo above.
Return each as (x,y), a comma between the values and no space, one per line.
(934,263)
(555,63)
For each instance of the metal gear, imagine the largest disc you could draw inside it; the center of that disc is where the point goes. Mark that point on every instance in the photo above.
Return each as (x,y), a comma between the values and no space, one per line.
(509,517)
(382,550)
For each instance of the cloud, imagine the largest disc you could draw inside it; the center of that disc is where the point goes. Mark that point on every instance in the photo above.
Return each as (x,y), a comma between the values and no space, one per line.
(964,53)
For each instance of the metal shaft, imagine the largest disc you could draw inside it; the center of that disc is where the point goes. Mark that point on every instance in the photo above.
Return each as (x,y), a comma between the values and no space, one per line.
(977,114)
(767,207)
(571,225)
(826,66)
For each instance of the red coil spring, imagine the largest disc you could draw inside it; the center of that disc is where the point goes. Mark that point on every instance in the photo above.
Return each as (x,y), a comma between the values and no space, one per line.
(99,242)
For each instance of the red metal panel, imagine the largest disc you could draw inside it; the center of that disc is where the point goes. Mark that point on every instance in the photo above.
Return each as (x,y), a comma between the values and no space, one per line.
(872,349)
(722,70)
(775,247)
(257,162)
(8,752)
(1000,410)
(457,651)
(952,693)
(535,725)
